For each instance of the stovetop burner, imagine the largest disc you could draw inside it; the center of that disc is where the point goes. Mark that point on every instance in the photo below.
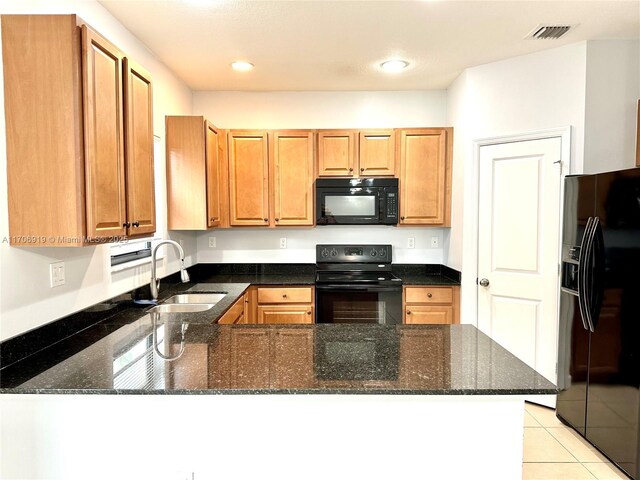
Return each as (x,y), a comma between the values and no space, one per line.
(355,265)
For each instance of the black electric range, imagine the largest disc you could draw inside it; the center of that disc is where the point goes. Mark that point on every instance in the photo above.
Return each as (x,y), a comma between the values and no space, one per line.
(354,284)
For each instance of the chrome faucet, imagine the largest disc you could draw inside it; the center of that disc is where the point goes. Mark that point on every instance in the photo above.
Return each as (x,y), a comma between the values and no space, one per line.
(155,283)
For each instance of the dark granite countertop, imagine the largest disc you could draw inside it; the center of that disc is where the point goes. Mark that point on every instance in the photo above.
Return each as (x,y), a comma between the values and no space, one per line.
(258,359)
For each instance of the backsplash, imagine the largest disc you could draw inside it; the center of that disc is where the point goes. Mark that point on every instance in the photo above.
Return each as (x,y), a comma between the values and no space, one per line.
(261,245)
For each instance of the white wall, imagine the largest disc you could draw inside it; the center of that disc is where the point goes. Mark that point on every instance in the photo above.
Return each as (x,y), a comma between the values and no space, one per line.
(613,90)
(592,87)
(247,245)
(533,92)
(273,110)
(26,300)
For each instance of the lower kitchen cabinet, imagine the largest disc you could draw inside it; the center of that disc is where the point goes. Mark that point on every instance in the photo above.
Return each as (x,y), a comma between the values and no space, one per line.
(235,314)
(431,305)
(279,314)
(282,305)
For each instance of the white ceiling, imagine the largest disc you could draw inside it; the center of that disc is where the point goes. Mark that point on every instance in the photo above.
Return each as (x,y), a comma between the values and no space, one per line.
(338,45)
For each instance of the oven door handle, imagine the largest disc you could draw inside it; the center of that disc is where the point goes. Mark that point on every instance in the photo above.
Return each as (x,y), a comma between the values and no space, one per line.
(366,288)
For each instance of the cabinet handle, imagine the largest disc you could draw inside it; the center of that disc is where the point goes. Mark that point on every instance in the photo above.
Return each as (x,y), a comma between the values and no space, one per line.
(308,312)
(401,218)
(213,219)
(266,219)
(362,169)
(284,295)
(351,169)
(136,224)
(429,295)
(408,312)
(126,225)
(277,219)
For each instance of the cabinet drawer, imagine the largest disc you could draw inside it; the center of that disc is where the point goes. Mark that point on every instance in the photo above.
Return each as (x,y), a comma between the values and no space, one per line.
(234,314)
(429,294)
(285,295)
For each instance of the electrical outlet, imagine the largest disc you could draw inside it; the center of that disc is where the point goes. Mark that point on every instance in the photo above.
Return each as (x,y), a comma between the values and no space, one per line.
(283,243)
(56,274)
(212,242)
(435,242)
(411,242)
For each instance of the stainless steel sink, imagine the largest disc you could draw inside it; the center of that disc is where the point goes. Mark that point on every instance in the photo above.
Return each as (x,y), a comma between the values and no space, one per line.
(181,308)
(211,298)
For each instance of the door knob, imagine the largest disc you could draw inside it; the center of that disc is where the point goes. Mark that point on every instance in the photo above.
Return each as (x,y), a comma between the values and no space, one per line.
(484,282)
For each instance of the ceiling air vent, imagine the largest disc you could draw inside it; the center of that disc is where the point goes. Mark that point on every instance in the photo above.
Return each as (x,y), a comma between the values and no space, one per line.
(552,32)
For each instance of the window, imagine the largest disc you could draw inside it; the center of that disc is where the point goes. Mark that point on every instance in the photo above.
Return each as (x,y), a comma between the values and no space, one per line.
(130,251)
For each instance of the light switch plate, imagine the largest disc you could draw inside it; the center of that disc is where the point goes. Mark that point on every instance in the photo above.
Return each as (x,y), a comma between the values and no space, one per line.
(56,274)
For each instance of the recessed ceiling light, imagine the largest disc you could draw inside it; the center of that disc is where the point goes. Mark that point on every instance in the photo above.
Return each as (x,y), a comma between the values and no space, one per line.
(242,66)
(394,66)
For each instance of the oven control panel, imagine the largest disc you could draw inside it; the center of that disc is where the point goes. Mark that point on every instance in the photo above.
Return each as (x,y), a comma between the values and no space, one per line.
(353,253)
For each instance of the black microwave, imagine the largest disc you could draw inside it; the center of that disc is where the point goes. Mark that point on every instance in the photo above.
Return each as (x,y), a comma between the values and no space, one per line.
(357,201)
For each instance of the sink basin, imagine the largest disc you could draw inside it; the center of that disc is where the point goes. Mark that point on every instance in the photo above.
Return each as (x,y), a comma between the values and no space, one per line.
(181,308)
(211,298)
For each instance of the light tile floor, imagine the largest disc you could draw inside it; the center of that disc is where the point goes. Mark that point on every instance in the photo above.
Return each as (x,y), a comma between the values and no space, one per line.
(553,451)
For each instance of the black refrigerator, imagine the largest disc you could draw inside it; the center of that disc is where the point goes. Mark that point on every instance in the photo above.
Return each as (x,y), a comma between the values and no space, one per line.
(599,336)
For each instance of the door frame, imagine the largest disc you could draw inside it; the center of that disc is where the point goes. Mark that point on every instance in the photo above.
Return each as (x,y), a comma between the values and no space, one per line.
(469,309)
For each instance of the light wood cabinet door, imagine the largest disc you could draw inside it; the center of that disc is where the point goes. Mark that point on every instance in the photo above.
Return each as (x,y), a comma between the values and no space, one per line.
(425,176)
(103,132)
(377,150)
(138,123)
(41,57)
(197,191)
(283,314)
(426,314)
(337,153)
(186,173)
(248,178)
(212,154)
(292,157)
(235,313)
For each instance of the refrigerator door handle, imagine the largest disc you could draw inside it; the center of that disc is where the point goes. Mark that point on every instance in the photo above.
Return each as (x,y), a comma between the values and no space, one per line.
(596,274)
(582,275)
(588,273)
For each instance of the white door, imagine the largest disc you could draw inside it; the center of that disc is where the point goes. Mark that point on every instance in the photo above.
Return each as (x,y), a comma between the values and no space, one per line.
(518,249)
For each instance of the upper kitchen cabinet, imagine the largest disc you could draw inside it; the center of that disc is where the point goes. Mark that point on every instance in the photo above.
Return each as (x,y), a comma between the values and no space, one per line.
(376,154)
(138,151)
(356,153)
(197,191)
(248,178)
(75,176)
(271,178)
(425,176)
(291,154)
(337,153)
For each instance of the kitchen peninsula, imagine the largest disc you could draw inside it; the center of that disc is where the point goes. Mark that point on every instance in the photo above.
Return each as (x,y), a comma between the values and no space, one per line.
(242,401)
